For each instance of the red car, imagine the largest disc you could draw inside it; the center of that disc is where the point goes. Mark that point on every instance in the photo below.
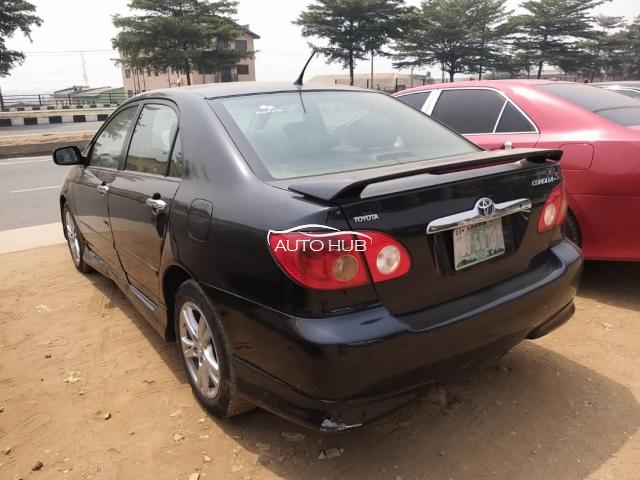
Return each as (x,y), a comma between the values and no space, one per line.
(598,130)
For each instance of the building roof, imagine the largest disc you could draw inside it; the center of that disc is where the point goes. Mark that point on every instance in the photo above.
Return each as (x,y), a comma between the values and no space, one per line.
(83,91)
(379,77)
(253,35)
(94,92)
(73,89)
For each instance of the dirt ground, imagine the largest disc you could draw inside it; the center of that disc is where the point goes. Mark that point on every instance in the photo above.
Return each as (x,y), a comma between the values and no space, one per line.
(91,391)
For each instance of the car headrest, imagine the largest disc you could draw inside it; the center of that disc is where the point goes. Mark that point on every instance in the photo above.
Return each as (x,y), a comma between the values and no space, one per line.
(370,132)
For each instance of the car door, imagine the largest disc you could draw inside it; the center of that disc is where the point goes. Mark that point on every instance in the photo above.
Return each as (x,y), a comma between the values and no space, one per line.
(485,116)
(91,190)
(140,196)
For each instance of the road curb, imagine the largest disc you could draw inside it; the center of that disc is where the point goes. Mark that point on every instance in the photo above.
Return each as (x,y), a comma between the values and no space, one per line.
(26,238)
(18,119)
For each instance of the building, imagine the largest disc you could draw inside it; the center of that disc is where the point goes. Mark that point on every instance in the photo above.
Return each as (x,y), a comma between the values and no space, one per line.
(84,95)
(140,80)
(388,82)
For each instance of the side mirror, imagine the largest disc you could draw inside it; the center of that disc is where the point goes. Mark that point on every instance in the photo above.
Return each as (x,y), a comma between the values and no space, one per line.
(68,156)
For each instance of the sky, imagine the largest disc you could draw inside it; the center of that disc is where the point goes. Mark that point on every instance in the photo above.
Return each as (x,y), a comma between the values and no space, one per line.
(54,61)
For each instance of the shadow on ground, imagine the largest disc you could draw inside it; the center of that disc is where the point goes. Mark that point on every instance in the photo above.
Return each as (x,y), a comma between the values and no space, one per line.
(612,283)
(117,299)
(535,415)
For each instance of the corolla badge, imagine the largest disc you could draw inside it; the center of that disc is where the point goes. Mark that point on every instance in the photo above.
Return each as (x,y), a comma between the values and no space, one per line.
(486,207)
(544,180)
(314,237)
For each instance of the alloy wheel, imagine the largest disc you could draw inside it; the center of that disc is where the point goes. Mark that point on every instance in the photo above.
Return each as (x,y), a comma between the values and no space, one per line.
(198,350)
(72,237)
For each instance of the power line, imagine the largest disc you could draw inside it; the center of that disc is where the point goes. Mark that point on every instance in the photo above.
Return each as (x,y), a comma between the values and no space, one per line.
(68,51)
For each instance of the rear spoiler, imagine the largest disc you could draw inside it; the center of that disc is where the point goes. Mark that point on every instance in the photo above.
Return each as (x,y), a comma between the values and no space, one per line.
(350,184)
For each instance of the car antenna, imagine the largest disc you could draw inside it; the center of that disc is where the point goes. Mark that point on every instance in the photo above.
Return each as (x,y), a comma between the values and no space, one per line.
(298,81)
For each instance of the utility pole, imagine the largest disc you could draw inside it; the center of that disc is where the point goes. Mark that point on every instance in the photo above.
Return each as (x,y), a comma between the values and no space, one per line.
(84,69)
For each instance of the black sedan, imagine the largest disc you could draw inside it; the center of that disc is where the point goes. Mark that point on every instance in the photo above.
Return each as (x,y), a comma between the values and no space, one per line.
(323,253)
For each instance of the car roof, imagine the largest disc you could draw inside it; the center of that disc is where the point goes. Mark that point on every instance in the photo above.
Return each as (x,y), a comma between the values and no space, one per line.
(480,84)
(228,89)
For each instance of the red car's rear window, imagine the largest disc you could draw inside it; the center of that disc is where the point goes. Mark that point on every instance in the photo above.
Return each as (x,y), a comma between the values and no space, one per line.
(608,104)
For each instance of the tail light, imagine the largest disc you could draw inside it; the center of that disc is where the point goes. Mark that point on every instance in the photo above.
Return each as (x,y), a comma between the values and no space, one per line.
(339,261)
(554,211)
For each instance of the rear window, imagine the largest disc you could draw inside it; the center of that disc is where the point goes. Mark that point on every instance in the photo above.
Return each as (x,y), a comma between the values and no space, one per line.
(629,93)
(513,121)
(416,100)
(311,133)
(606,103)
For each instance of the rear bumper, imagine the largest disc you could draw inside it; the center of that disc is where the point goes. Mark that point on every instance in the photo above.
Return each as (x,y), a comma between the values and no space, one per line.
(338,372)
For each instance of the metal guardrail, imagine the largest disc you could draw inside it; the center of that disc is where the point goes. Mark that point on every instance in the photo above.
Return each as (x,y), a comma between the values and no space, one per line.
(58,101)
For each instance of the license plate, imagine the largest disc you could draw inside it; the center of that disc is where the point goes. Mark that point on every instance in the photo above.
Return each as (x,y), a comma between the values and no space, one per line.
(476,243)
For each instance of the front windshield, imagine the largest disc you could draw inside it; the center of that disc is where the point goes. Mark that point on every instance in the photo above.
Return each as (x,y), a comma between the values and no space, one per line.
(316,132)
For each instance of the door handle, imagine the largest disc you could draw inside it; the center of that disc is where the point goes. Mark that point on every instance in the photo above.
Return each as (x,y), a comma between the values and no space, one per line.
(508,145)
(156,204)
(103,189)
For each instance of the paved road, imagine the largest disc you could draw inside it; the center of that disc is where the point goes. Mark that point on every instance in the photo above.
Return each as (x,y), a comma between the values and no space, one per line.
(29,189)
(50,128)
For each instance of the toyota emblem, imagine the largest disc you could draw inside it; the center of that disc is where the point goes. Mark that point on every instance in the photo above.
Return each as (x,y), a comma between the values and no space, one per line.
(486,207)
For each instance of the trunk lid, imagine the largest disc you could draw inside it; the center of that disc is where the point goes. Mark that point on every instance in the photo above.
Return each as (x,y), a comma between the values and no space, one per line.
(404,202)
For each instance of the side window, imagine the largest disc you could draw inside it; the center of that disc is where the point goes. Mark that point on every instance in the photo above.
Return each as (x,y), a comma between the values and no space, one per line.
(513,121)
(152,139)
(176,166)
(107,149)
(416,100)
(469,111)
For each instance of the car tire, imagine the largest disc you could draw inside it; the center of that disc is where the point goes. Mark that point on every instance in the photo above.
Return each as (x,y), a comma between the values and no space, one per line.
(205,346)
(75,242)
(572,229)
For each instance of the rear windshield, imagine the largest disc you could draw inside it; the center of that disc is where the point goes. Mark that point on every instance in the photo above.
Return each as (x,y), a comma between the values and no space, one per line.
(316,132)
(611,105)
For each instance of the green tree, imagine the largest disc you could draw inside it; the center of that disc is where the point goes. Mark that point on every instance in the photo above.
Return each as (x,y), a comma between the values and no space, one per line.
(600,55)
(489,30)
(514,64)
(386,22)
(550,29)
(627,55)
(352,29)
(440,32)
(14,15)
(606,23)
(180,35)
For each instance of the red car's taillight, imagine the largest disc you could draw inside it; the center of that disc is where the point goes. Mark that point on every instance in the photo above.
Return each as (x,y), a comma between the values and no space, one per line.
(339,261)
(554,211)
